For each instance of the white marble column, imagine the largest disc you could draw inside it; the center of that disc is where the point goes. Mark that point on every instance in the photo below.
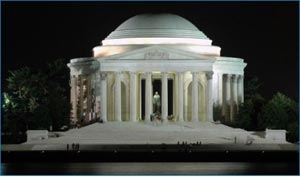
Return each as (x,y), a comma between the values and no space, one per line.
(148,97)
(103,86)
(241,83)
(164,106)
(220,88)
(233,97)
(89,95)
(228,97)
(73,85)
(118,97)
(81,92)
(215,90)
(180,97)
(238,90)
(97,92)
(210,96)
(195,97)
(133,96)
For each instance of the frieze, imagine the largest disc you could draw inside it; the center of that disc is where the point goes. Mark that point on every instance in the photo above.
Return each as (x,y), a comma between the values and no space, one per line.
(156,54)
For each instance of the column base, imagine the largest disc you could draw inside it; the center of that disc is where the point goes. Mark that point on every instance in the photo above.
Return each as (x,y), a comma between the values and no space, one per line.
(195,120)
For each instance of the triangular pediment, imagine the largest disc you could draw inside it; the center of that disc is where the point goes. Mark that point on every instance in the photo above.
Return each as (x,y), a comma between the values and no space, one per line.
(157,53)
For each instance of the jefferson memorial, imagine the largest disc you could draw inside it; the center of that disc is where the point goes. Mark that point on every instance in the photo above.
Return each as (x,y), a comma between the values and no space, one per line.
(156,58)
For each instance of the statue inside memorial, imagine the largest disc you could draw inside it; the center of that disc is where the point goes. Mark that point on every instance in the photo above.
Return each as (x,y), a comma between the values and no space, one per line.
(155,116)
(156,103)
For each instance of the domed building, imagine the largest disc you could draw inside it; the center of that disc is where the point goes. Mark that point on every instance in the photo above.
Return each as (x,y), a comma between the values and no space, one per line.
(156,54)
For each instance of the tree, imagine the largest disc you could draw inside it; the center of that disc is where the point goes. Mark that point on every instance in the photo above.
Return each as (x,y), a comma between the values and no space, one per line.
(58,101)
(252,86)
(25,89)
(281,112)
(278,112)
(249,111)
(37,99)
(255,113)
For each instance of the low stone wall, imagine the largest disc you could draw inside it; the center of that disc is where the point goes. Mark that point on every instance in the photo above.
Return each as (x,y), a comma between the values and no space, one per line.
(276,135)
(36,135)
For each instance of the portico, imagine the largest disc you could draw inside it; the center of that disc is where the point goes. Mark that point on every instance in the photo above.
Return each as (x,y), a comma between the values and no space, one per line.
(117,84)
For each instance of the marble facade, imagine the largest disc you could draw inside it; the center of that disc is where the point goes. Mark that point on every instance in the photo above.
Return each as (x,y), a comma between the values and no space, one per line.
(117,83)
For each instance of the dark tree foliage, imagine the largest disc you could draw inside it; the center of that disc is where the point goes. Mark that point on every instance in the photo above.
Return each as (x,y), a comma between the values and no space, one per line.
(281,112)
(58,86)
(36,99)
(252,86)
(249,112)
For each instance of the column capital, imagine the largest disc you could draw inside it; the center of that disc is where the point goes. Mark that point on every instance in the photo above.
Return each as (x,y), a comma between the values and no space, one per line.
(234,77)
(132,72)
(195,73)
(164,72)
(180,72)
(103,75)
(241,76)
(148,73)
(209,75)
(228,77)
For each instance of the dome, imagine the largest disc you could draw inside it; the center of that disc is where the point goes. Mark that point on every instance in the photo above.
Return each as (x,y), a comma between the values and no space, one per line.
(155,26)
(157,21)
(166,30)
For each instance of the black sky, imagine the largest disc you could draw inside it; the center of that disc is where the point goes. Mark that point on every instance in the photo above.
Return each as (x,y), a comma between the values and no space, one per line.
(265,34)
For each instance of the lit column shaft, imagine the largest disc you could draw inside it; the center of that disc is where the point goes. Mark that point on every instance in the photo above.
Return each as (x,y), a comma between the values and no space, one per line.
(103,108)
(118,96)
(242,88)
(227,103)
(180,97)
(132,96)
(220,88)
(97,92)
(81,91)
(74,96)
(233,97)
(195,97)
(209,76)
(148,96)
(164,95)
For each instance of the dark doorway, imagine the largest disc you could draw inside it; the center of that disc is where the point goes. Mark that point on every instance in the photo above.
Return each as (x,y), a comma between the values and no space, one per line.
(170,97)
(156,85)
(143,98)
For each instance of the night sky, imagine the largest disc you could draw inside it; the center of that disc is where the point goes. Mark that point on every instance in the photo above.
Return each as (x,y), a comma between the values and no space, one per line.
(264,34)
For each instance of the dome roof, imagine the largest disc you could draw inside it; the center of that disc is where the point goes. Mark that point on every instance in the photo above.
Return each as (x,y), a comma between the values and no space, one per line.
(157,26)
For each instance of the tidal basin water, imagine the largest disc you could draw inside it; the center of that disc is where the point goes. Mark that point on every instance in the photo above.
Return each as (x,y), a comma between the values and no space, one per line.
(127,168)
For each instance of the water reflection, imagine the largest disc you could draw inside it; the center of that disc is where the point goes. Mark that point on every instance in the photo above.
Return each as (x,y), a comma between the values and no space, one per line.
(232,168)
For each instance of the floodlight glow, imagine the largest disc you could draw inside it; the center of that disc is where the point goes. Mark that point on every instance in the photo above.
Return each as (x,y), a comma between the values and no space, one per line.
(140,41)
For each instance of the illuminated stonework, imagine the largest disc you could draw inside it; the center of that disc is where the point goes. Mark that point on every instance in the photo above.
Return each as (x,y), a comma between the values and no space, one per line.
(156,52)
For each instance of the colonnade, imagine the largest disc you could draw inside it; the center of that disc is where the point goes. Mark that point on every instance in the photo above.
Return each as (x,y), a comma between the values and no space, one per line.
(81,97)
(149,96)
(232,95)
